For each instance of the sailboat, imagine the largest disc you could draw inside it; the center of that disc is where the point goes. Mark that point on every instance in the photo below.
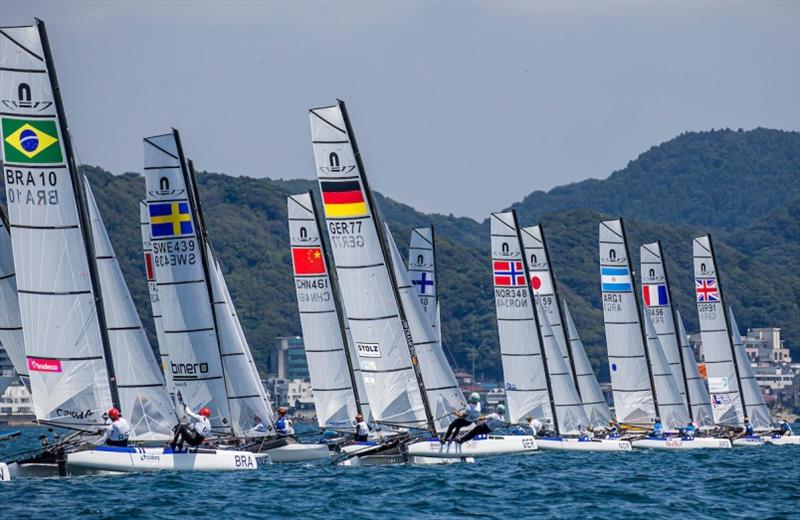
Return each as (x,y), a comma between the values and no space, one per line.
(336,380)
(537,381)
(209,358)
(409,383)
(735,395)
(545,289)
(657,299)
(10,322)
(642,383)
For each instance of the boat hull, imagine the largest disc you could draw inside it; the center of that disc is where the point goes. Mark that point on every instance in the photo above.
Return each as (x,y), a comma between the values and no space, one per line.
(372,454)
(678,443)
(783,440)
(299,453)
(480,446)
(568,444)
(749,441)
(133,460)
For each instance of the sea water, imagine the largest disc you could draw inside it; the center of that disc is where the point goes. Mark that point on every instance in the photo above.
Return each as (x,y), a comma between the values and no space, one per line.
(761,482)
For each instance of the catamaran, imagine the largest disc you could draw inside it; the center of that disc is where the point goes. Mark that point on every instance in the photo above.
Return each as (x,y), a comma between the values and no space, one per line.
(657,299)
(409,383)
(209,358)
(545,289)
(735,395)
(643,386)
(537,381)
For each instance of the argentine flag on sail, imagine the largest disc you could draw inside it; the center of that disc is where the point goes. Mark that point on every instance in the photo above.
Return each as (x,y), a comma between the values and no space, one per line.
(615,279)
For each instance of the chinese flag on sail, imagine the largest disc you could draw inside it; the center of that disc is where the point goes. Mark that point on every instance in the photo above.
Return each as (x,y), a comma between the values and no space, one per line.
(308,260)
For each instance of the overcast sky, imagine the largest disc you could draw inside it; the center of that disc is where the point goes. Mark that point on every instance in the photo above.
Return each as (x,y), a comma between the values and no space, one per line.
(460,108)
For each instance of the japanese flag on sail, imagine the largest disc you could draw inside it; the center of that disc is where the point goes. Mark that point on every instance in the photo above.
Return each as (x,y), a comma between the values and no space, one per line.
(655,294)
(541,284)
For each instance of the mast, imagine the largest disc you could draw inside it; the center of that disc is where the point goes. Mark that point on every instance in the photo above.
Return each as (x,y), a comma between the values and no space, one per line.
(187,169)
(728,326)
(675,325)
(568,339)
(390,268)
(79,191)
(640,317)
(536,322)
(334,279)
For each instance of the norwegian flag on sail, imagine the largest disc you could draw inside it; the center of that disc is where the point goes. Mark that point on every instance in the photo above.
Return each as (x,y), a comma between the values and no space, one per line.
(707,290)
(508,273)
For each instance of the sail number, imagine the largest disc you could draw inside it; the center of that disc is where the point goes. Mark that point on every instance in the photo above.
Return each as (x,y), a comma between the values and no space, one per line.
(707,311)
(39,189)
(657,315)
(345,234)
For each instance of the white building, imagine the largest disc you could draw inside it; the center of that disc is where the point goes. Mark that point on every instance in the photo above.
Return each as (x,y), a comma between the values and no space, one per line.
(16,401)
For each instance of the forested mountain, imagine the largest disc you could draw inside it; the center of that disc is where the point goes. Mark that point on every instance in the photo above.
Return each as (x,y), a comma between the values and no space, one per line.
(750,202)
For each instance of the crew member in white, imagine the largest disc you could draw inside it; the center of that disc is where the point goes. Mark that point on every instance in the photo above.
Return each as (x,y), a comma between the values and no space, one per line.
(196,432)
(362,429)
(116,430)
(466,417)
(490,423)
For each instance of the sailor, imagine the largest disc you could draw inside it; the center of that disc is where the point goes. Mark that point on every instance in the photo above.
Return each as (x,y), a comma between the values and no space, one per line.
(259,428)
(116,430)
(535,425)
(748,428)
(196,432)
(463,418)
(490,423)
(586,433)
(613,428)
(658,429)
(283,425)
(362,429)
(526,429)
(689,431)
(785,429)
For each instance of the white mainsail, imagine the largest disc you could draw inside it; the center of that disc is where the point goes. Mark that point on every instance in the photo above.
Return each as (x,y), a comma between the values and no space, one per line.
(631,379)
(757,410)
(144,400)
(333,371)
(422,270)
(594,402)
(441,387)
(10,321)
(520,347)
(190,336)
(544,286)
(696,389)
(60,304)
(380,334)
(246,395)
(718,349)
(155,303)
(537,380)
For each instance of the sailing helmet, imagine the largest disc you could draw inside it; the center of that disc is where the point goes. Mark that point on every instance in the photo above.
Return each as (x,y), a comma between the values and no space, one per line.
(205,411)
(501,408)
(114,414)
(282,411)
(474,397)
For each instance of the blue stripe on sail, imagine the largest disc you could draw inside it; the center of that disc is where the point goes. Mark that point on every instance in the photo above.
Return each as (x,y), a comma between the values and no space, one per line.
(614,271)
(617,287)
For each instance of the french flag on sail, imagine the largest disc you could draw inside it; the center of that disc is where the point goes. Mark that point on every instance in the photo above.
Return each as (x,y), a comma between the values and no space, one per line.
(655,294)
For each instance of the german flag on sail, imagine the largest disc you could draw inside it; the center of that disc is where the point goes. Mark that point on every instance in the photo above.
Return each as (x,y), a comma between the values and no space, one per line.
(343,199)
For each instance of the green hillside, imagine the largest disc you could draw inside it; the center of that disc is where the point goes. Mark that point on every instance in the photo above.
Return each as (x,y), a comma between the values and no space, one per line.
(758,249)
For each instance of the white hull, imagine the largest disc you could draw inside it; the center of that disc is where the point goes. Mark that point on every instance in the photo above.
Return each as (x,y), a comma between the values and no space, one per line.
(390,457)
(569,444)
(132,460)
(5,473)
(299,453)
(678,443)
(749,441)
(783,440)
(481,446)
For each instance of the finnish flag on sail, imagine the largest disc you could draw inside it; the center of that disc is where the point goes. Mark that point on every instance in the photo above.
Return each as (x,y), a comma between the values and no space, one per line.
(616,279)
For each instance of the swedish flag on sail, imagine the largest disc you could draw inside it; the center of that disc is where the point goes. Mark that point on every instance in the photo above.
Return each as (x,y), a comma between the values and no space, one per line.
(31,141)
(170,219)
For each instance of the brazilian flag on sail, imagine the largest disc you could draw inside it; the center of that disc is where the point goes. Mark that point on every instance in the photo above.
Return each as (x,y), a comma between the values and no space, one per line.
(31,141)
